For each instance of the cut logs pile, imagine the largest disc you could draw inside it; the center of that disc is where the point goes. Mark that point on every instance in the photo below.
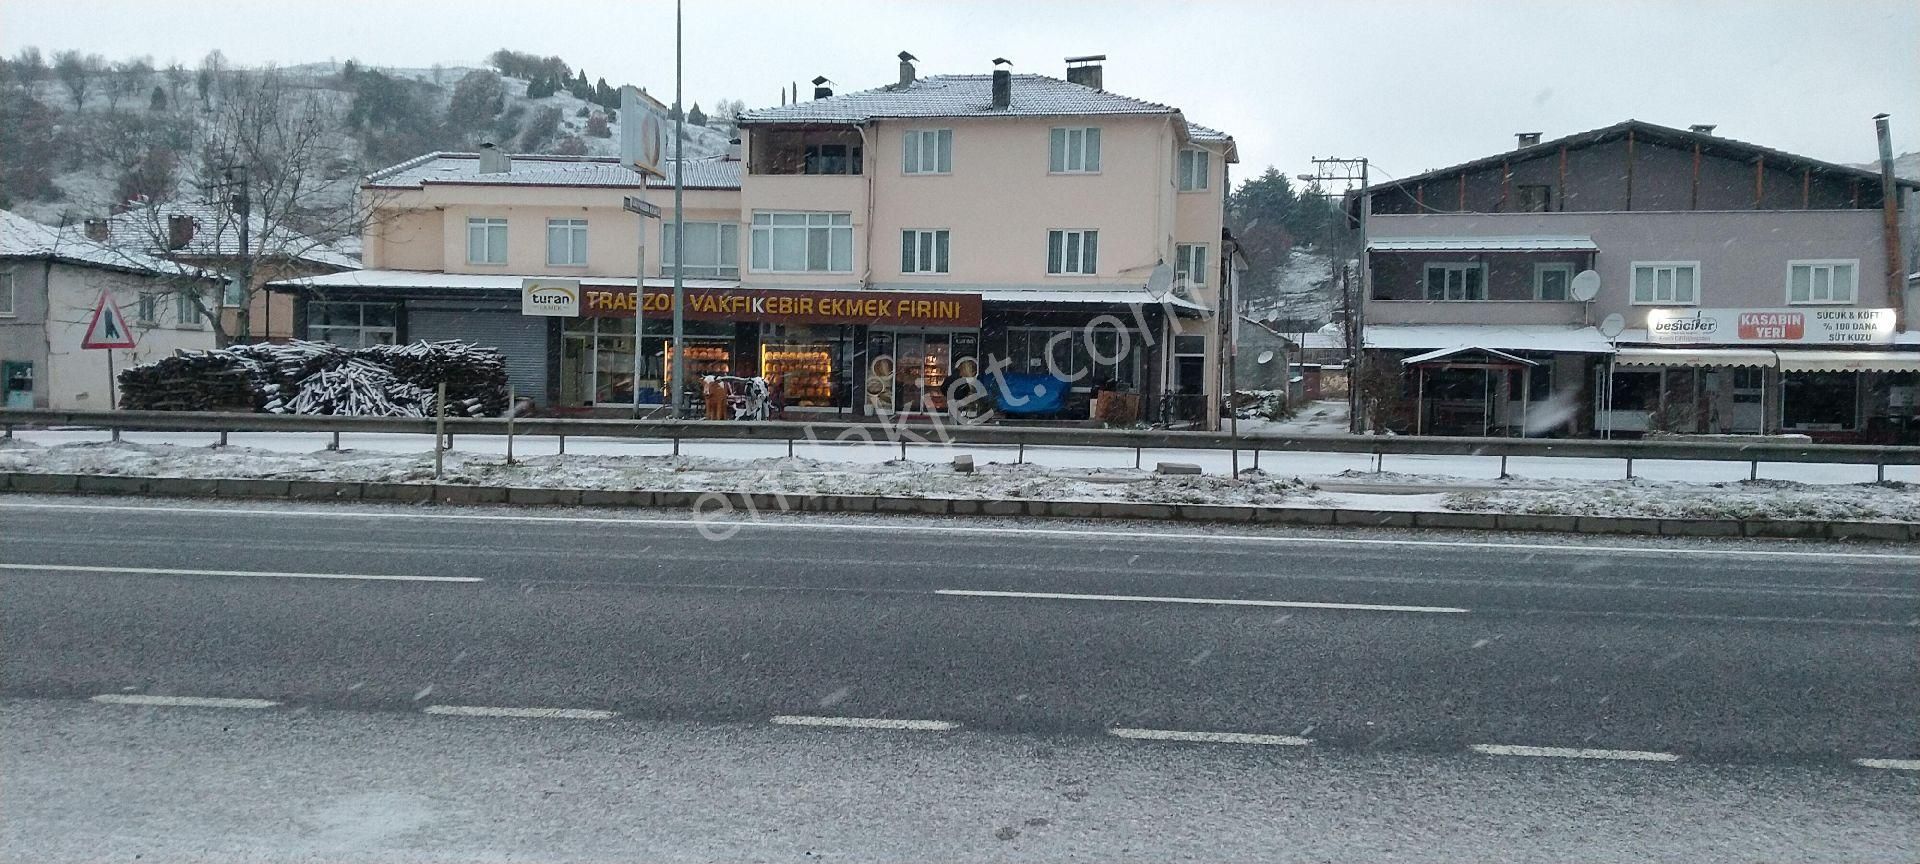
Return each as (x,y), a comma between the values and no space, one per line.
(320,378)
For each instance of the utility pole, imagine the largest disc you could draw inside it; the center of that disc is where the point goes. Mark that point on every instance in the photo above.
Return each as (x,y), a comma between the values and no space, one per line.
(241,205)
(1346,172)
(679,231)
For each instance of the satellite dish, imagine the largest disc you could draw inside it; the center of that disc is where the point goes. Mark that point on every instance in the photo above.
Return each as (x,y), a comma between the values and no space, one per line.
(1586,286)
(1612,325)
(1160,281)
(1264,358)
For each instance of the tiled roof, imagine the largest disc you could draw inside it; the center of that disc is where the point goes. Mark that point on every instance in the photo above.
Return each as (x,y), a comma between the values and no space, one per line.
(216,234)
(711,172)
(21,237)
(957,96)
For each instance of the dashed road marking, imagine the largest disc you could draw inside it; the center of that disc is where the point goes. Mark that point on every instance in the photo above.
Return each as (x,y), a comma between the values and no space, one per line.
(1209,737)
(865,723)
(532,713)
(276,574)
(1199,601)
(1574,753)
(1892,764)
(181,701)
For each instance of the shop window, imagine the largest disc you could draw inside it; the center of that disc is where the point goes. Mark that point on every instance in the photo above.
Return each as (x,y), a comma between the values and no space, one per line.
(1748,384)
(923,251)
(1192,170)
(927,151)
(486,241)
(1666,283)
(1822,281)
(352,325)
(1552,281)
(803,242)
(1190,263)
(566,243)
(1635,391)
(1820,400)
(1073,253)
(1537,384)
(713,250)
(1074,151)
(1462,281)
(1106,356)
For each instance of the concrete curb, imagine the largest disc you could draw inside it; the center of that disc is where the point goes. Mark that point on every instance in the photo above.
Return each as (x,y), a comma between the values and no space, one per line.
(718,503)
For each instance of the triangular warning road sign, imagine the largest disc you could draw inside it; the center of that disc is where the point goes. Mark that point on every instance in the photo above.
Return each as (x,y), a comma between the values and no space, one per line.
(109,328)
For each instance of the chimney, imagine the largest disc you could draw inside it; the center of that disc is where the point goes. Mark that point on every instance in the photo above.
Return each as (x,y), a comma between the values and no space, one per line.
(1085,71)
(733,150)
(1701,128)
(1526,139)
(179,231)
(1002,83)
(906,69)
(822,88)
(96,230)
(494,160)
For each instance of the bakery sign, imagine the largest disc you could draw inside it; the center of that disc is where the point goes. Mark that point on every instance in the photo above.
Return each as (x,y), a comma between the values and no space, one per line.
(1804,325)
(873,308)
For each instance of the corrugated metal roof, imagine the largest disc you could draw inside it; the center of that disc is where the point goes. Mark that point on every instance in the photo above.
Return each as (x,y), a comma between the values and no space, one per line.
(957,96)
(711,172)
(1482,244)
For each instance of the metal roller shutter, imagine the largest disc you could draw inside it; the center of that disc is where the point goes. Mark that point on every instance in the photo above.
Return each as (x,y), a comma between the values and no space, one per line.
(522,339)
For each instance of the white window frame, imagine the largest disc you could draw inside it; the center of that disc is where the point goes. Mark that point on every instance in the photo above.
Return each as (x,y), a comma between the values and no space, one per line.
(146,308)
(1185,263)
(9,297)
(1540,270)
(926,152)
(726,239)
(1633,283)
(768,226)
(484,254)
(1059,240)
(1078,148)
(923,246)
(1426,286)
(186,315)
(1828,264)
(575,232)
(1191,169)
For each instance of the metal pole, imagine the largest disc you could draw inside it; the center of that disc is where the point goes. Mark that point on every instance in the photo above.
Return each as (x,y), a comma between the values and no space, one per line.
(511,410)
(639,299)
(439,426)
(679,226)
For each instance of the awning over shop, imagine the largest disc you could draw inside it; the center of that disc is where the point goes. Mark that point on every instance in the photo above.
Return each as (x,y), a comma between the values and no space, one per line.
(1482,244)
(1548,338)
(1695,357)
(1445,354)
(1849,361)
(1089,296)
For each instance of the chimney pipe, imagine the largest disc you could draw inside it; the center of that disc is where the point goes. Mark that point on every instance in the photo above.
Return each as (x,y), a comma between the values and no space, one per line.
(1526,139)
(733,150)
(493,160)
(906,69)
(1086,71)
(821,90)
(1002,83)
(179,231)
(97,230)
(1702,128)
(1890,222)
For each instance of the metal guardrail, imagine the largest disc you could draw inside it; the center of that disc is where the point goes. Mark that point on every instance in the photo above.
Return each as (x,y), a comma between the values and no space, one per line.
(919,434)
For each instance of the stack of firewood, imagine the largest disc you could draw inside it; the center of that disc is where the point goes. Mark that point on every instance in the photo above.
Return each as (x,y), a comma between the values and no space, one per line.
(318,378)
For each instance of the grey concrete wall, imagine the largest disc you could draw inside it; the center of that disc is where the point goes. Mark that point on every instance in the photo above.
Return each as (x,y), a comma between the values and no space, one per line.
(23,337)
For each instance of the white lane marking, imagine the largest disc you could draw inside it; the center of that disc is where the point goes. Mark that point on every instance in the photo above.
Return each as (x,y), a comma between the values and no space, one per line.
(182,701)
(1209,737)
(1198,601)
(532,713)
(1891,764)
(1574,753)
(180,571)
(865,722)
(898,527)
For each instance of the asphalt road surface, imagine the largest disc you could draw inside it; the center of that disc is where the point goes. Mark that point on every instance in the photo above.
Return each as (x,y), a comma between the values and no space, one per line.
(199,681)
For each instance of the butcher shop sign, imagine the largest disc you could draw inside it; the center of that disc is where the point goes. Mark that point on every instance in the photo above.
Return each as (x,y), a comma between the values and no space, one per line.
(1804,325)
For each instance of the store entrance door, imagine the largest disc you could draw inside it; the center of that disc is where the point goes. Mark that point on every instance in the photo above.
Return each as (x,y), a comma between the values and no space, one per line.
(924,362)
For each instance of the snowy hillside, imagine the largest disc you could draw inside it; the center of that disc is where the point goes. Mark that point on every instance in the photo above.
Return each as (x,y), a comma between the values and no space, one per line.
(1301,289)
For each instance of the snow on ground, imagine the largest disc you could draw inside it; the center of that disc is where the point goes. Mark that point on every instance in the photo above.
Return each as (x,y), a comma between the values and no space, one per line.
(1427,483)
(1323,417)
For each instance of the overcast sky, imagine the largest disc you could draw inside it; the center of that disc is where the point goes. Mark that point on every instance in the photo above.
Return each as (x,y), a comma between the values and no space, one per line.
(1412,85)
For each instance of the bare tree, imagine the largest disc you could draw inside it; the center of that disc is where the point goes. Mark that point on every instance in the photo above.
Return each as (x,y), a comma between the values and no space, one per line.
(28,67)
(77,72)
(128,79)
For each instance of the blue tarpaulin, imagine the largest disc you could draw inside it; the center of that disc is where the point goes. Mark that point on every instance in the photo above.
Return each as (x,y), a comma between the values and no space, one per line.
(1030,394)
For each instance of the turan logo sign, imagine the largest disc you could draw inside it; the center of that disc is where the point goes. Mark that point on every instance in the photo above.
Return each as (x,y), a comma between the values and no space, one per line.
(556,297)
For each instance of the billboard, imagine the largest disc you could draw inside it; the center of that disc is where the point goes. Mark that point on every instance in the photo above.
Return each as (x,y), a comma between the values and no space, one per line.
(1803,325)
(645,132)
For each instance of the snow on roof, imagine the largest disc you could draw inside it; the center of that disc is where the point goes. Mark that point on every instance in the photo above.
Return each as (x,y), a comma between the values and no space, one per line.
(707,172)
(1482,244)
(21,237)
(1444,353)
(1693,357)
(1501,337)
(216,234)
(434,280)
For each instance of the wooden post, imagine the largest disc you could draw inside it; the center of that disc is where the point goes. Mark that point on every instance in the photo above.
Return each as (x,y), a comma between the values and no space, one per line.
(1563,177)
(1420,196)
(511,410)
(1629,170)
(1419,400)
(1693,199)
(439,427)
(1806,188)
(1463,192)
(1506,178)
(1759,179)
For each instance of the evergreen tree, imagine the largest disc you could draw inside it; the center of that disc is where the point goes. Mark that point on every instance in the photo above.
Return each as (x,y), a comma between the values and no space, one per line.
(695,116)
(604,96)
(158,101)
